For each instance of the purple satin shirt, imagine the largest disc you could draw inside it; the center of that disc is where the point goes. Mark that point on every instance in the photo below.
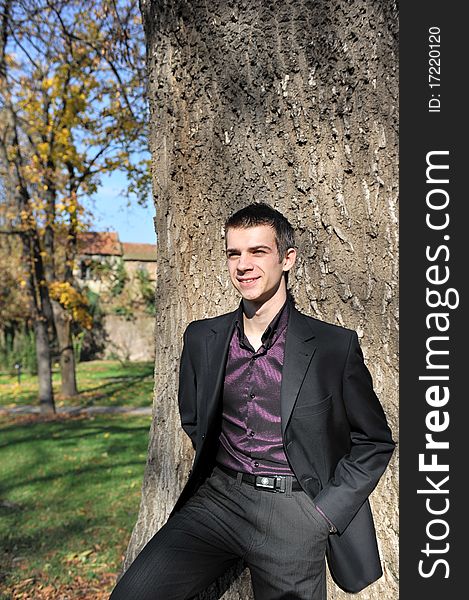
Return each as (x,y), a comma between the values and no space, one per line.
(251,436)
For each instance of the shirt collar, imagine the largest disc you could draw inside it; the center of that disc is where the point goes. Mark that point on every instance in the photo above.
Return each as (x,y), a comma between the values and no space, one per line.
(268,336)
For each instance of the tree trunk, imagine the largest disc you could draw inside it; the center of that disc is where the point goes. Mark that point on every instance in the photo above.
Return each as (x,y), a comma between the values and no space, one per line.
(44,372)
(293,103)
(41,311)
(68,386)
(61,321)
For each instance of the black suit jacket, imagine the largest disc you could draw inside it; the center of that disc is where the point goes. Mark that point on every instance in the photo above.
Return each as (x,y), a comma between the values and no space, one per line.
(334,429)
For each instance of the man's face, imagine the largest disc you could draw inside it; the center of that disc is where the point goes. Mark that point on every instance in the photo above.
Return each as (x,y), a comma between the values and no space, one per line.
(253,262)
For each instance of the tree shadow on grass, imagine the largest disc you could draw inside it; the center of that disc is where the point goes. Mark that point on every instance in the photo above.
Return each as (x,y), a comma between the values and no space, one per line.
(74,474)
(68,430)
(62,484)
(116,386)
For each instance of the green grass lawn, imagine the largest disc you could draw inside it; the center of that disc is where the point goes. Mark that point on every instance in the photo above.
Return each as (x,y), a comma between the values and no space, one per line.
(100,383)
(70,488)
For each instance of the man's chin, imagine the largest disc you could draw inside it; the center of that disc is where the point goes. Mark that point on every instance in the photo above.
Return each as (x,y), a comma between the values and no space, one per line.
(256,298)
(252,297)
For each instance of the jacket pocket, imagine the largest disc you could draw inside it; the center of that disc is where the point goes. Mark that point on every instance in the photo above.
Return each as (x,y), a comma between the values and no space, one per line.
(315,408)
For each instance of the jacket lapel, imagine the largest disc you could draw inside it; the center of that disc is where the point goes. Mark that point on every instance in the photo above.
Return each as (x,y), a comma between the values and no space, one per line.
(217,346)
(300,347)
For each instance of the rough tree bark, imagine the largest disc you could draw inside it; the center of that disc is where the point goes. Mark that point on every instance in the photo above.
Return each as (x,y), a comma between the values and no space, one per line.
(293,102)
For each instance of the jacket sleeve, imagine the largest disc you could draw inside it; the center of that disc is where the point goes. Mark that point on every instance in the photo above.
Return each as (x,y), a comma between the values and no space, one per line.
(358,472)
(187,394)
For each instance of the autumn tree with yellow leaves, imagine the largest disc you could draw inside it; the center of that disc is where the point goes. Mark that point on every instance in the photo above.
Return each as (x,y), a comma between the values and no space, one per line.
(72,108)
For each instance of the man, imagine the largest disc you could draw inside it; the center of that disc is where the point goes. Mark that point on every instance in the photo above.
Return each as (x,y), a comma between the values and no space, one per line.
(290,440)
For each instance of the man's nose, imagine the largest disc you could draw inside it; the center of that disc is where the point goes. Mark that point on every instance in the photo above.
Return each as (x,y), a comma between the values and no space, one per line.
(244,263)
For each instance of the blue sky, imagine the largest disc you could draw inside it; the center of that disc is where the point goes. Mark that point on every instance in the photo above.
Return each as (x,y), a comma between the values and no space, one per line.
(112,212)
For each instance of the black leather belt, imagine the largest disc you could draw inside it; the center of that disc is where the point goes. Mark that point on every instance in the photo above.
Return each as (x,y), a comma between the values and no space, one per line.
(270,483)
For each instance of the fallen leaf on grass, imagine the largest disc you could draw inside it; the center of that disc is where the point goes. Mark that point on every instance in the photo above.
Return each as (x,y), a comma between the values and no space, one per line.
(37,418)
(78,557)
(79,589)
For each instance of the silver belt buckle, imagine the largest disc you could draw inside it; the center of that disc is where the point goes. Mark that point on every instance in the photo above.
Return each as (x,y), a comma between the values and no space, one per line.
(271,484)
(265,483)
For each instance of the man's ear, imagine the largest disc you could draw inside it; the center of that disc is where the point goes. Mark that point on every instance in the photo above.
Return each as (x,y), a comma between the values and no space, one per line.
(289,260)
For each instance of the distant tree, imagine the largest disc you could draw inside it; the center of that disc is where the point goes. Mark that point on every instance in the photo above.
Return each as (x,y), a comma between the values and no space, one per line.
(15,326)
(72,108)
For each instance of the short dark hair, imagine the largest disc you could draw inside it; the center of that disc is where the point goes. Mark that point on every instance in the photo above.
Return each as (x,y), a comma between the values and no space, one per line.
(261,213)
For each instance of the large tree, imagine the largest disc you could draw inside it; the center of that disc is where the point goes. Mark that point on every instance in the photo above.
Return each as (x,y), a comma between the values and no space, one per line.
(295,103)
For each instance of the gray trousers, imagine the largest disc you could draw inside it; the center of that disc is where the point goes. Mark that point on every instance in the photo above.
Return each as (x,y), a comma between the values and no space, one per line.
(280,537)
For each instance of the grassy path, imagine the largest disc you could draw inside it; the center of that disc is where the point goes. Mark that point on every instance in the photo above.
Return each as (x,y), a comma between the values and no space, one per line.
(101,383)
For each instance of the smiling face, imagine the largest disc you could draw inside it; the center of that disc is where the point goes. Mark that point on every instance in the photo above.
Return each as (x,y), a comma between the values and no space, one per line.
(255,268)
